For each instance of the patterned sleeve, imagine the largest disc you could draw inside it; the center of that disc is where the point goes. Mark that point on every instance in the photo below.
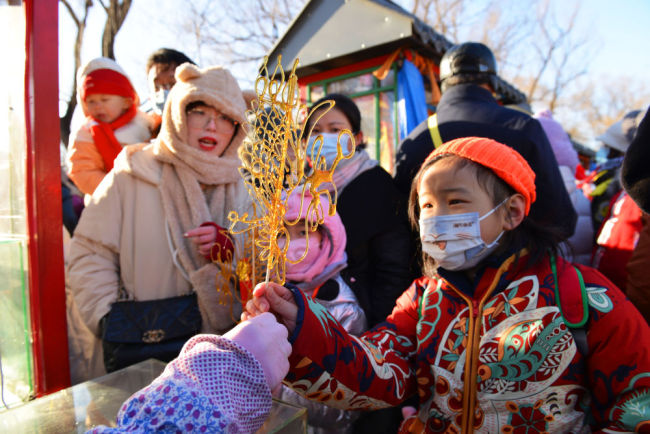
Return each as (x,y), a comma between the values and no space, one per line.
(618,361)
(214,385)
(374,371)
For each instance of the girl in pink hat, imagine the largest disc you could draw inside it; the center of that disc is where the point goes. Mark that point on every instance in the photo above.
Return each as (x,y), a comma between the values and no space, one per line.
(318,276)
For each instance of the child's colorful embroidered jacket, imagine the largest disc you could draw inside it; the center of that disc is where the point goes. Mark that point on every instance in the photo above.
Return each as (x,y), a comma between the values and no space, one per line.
(494,357)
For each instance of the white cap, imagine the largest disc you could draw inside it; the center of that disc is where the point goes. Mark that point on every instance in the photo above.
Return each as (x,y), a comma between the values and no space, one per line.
(620,134)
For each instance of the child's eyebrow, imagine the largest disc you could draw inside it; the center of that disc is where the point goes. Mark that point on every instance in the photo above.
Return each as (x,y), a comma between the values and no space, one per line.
(455,190)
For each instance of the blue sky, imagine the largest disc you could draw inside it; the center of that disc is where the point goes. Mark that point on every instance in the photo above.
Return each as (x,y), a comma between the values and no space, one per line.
(624,29)
(620,31)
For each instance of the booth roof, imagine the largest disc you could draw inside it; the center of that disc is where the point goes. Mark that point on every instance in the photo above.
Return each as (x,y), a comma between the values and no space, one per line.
(304,29)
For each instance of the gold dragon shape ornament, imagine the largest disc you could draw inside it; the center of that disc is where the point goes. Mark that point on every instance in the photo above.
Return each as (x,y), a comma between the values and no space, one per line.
(278,160)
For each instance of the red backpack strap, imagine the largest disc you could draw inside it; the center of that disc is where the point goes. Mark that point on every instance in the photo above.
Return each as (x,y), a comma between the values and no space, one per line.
(572,300)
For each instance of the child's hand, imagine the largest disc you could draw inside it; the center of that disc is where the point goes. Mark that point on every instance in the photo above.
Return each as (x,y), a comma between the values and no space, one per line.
(274,298)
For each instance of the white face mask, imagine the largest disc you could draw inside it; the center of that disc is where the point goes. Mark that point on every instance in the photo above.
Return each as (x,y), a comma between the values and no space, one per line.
(330,147)
(454,240)
(159,99)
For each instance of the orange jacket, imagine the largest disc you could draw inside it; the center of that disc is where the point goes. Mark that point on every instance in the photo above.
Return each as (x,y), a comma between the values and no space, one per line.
(85,164)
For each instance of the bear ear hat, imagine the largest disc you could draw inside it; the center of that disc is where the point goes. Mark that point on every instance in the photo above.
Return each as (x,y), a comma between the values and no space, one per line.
(187,72)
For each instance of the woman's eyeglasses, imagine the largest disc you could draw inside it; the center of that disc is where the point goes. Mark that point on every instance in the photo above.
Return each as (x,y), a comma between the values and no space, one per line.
(201,117)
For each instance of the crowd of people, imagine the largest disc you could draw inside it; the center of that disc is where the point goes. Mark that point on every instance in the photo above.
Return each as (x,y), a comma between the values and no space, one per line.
(480,288)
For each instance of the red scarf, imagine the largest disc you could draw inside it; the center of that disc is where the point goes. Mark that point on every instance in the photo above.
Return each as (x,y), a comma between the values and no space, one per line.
(105,140)
(111,82)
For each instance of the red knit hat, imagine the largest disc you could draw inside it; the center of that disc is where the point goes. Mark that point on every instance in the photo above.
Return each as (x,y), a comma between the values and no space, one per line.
(107,81)
(505,162)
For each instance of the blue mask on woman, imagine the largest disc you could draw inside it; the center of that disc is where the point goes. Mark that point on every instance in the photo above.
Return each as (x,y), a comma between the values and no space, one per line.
(329,148)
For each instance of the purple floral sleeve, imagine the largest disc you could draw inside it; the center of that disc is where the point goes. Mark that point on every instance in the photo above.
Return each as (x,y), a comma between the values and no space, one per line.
(213,386)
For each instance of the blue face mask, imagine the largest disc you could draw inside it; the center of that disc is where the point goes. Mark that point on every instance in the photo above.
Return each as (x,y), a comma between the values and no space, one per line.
(454,240)
(601,154)
(159,99)
(329,149)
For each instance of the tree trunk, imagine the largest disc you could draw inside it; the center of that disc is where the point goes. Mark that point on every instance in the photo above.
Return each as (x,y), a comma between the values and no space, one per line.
(115,15)
(80,22)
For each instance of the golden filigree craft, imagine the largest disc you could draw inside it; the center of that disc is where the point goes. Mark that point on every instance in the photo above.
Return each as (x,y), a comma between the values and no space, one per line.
(277,161)
(238,271)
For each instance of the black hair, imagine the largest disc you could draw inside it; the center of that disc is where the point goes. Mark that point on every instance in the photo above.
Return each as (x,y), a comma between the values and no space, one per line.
(613,153)
(343,103)
(538,239)
(167,56)
(477,78)
(195,104)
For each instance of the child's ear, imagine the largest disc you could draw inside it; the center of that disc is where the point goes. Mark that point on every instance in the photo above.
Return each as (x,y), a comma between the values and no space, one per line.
(127,103)
(515,208)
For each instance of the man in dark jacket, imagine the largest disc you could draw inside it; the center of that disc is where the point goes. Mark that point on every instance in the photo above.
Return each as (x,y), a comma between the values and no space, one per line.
(467,108)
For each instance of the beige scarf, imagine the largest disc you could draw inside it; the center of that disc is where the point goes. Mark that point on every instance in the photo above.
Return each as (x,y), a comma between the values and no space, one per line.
(187,205)
(198,187)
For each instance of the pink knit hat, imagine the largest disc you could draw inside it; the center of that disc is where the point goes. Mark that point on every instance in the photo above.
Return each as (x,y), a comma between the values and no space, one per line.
(334,234)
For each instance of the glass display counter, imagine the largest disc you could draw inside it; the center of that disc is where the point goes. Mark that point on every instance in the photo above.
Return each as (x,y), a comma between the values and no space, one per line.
(96,402)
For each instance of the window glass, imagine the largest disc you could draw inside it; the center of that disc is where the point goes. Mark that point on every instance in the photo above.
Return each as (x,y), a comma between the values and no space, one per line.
(366,105)
(15,337)
(360,83)
(317,92)
(389,80)
(387,143)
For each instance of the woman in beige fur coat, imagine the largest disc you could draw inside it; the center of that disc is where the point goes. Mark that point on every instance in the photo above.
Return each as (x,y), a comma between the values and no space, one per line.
(150,224)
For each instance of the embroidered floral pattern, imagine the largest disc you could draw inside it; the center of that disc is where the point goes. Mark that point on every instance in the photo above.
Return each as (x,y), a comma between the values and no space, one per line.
(527,375)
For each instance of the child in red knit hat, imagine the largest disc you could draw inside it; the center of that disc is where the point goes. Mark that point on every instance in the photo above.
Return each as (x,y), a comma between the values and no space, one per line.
(113,120)
(500,334)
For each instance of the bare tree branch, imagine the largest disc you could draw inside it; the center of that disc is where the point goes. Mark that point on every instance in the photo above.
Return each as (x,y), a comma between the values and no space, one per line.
(115,16)
(71,11)
(545,57)
(80,22)
(556,54)
(246,32)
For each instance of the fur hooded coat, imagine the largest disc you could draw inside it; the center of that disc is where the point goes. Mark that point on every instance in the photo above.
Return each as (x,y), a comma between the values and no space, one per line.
(129,243)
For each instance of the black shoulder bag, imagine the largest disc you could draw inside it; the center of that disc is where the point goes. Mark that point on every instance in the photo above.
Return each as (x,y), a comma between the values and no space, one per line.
(134,331)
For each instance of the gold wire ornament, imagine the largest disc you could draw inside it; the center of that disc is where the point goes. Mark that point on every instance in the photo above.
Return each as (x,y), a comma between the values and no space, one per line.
(238,270)
(274,164)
